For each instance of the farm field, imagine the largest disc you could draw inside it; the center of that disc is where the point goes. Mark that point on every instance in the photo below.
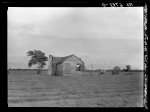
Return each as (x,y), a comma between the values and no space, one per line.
(26,89)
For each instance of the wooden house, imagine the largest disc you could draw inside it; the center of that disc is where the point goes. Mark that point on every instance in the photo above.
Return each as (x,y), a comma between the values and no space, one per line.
(68,65)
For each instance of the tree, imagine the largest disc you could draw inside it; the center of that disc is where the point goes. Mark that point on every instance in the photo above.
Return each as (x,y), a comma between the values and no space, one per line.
(37,58)
(116,70)
(128,68)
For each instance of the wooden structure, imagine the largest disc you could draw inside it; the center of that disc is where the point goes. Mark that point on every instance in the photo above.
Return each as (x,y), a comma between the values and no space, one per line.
(67,65)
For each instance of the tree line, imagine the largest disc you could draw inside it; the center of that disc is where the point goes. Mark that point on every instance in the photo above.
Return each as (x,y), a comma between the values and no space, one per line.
(38,59)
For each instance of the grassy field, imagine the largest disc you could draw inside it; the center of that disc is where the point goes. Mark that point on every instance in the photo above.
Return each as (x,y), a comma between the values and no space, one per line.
(27,89)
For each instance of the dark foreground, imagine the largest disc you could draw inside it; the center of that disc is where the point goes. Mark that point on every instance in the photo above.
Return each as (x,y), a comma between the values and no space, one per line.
(27,90)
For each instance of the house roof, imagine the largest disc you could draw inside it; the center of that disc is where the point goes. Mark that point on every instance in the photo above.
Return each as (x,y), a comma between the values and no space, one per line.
(58,60)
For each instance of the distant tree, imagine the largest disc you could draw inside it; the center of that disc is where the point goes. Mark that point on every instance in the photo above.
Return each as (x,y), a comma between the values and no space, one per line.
(37,58)
(128,68)
(116,70)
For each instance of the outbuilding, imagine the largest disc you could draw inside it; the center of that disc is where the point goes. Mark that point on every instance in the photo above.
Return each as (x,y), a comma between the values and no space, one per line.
(68,65)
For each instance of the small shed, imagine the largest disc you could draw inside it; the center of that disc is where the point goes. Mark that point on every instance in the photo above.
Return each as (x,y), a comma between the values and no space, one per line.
(67,65)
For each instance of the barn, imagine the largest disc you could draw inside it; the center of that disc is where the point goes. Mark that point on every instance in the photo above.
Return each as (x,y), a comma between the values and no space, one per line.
(58,66)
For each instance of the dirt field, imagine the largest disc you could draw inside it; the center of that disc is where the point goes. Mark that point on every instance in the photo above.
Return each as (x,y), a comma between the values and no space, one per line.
(27,89)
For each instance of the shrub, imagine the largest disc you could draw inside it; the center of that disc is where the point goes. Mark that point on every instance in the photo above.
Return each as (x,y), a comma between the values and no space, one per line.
(101,72)
(116,70)
(128,68)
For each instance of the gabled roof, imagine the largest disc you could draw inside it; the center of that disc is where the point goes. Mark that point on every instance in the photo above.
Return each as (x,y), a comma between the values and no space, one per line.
(58,60)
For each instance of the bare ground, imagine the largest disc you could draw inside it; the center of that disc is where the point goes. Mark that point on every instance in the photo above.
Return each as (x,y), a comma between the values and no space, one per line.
(27,90)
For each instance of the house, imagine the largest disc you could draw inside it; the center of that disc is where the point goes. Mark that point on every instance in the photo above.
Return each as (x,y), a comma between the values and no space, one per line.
(65,65)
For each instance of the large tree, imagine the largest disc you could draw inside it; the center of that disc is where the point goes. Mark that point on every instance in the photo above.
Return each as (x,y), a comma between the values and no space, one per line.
(37,58)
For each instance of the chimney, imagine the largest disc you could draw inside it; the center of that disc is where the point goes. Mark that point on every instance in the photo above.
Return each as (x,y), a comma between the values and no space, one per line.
(50,65)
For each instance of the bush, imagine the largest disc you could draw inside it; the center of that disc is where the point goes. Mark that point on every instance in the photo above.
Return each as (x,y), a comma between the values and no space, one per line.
(101,72)
(116,70)
(128,68)
(39,71)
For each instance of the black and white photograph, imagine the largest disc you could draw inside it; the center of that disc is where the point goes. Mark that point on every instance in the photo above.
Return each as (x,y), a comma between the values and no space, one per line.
(75,56)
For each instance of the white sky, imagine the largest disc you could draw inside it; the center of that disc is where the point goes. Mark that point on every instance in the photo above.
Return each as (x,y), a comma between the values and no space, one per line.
(104,37)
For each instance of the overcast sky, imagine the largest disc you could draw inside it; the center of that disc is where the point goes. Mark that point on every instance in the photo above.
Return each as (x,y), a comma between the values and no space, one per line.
(104,37)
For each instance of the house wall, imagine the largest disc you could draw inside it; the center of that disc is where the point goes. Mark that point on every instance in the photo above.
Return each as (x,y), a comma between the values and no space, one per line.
(69,65)
(59,70)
